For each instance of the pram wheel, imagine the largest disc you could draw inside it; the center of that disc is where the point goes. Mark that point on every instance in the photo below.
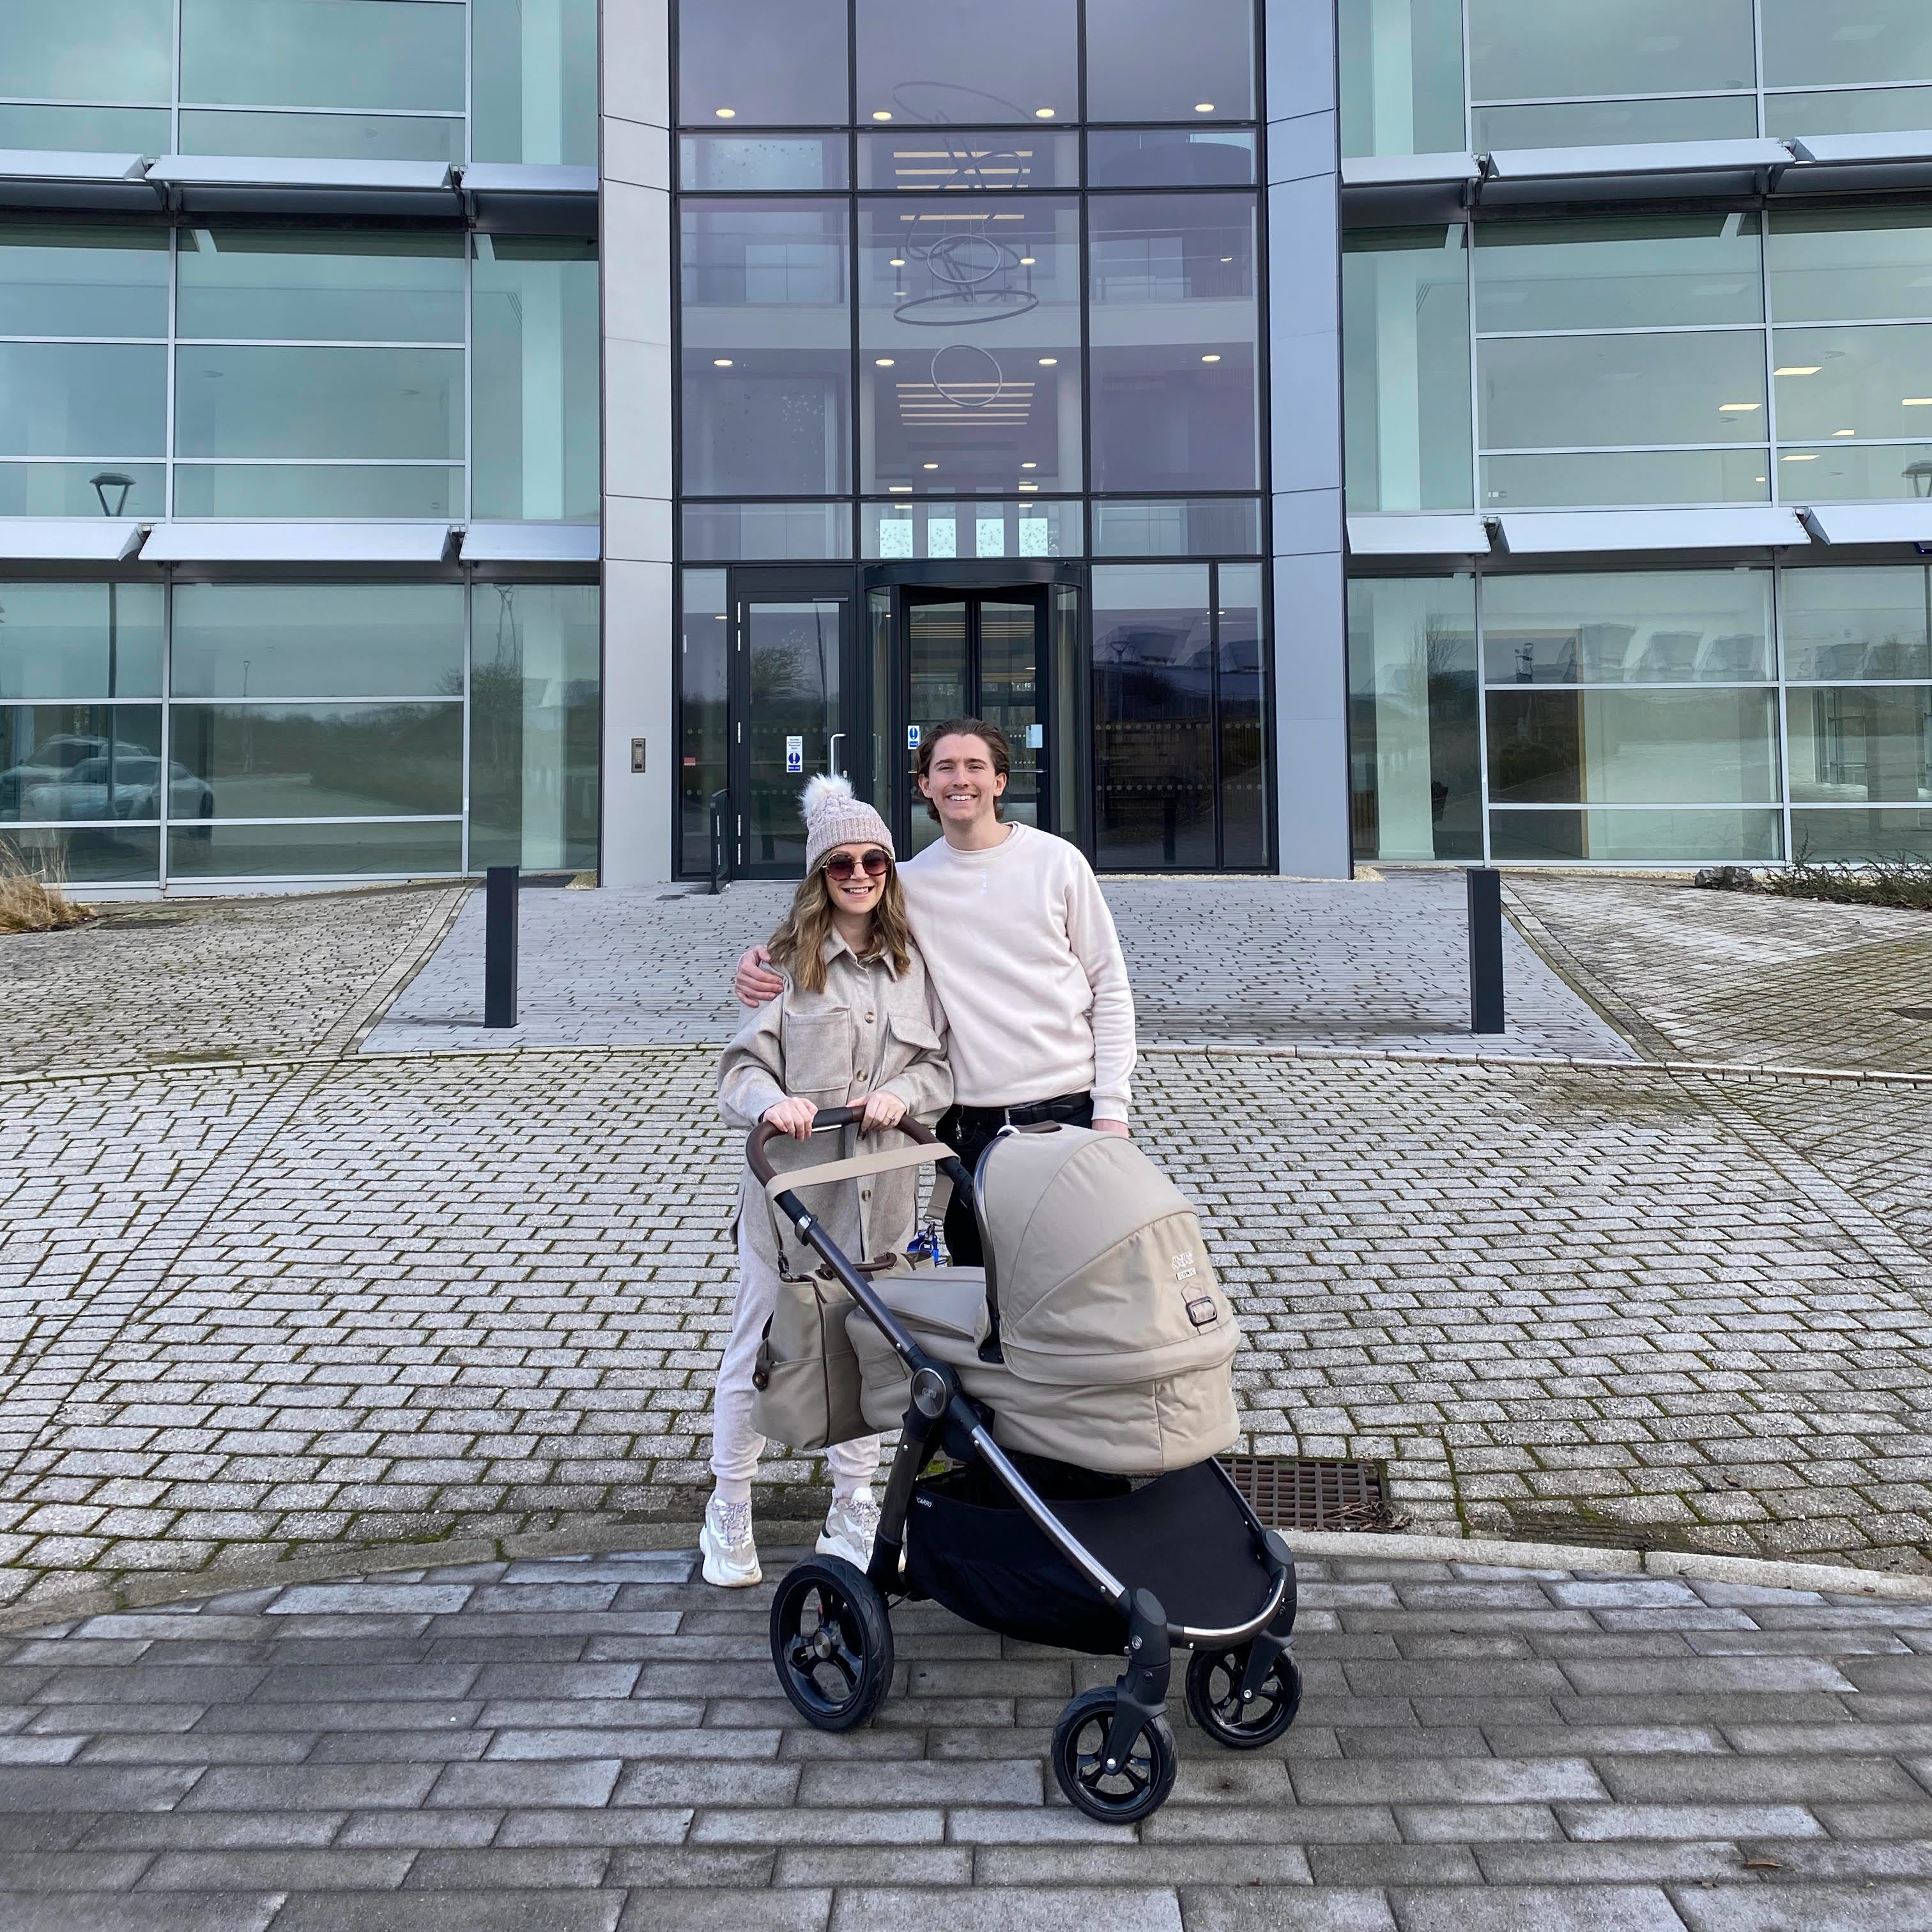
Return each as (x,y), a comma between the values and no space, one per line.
(1134,1789)
(1214,1698)
(831,1643)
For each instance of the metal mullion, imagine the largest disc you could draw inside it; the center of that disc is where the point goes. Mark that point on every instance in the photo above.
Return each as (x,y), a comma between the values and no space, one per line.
(285,342)
(1614,99)
(1612,449)
(469,377)
(1643,329)
(173,353)
(174,104)
(284,107)
(1757,75)
(1214,709)
(1482,711)
(167,728)
(469,611)
(1468,84)
(89,341)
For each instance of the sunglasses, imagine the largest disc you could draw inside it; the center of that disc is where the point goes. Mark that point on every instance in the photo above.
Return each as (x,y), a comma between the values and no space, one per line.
(878,862)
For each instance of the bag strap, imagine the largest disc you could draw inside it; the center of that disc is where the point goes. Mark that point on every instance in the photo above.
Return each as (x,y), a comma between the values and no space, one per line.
(855,1167)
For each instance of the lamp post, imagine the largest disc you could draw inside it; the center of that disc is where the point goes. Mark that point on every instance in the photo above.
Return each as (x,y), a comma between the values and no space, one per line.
(111,482)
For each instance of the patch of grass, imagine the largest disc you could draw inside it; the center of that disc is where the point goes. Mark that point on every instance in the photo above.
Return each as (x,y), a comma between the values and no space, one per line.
(31,898)
(1903,882)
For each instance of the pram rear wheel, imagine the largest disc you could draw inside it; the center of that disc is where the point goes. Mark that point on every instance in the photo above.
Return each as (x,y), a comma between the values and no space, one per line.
(1214,1698)
(831,1643)
(1136,1787)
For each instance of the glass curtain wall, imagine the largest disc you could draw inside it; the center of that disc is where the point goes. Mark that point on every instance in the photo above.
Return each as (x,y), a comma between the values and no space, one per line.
(415,80)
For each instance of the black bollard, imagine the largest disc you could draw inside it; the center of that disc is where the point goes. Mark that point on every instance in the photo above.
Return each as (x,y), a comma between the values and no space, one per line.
(500,947)
(1485,949)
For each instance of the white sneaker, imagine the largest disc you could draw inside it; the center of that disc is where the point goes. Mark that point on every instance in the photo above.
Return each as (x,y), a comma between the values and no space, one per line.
(730,1555)
(850,1527)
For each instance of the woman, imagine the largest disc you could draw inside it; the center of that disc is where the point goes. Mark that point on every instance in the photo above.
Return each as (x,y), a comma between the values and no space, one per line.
(857,1021)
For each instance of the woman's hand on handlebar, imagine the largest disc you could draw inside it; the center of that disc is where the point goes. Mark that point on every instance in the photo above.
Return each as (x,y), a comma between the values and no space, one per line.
(794,1116)
(882,1110)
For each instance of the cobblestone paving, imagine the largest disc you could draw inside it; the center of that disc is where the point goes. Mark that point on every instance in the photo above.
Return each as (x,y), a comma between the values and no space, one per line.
(264,1315)
(1732,976)
(598,1746)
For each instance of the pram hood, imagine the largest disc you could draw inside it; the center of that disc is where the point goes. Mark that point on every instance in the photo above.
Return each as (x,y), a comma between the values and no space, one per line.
(1096,1263)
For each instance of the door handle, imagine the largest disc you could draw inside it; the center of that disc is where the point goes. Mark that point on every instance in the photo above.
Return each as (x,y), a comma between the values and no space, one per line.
(831,754)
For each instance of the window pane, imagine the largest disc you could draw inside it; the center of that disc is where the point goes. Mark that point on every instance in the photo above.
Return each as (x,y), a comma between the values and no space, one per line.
(1856,623)
(356,137)
(736,162)
(1401,77)
(322,53)
(536,81)
(1405,369)
(1171,158)
(1850,265)
(535,655)
(1186,526)
(294,490)
(1822,835)
(64,399)
(104,130)
(1610,124)
(1863,110)
(767,349)
(80,641)
(721,532)
(1806,45)
(919,160)
(1850,472)
(1415,767)
(1636,838)
(66,490)
(89,855)
(1555,392)
(1173,330)
(982,526)
(1644,272)
(1139,68)
(1852,743)
(1527,49)
(1627,476)
(83,281)
(319,402)
(322,760)
(1633,747)
(535,400)
(82,49)
(238,640)
(296,285)
(1873,382)
(1241,691)
(70,761)
(969,332)
(967,61)
(1153,749)
(776,63)
(1627,627)
(421,848)
(704,653)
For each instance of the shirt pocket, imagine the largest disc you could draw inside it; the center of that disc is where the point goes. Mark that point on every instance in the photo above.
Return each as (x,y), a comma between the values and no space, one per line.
(817,1056)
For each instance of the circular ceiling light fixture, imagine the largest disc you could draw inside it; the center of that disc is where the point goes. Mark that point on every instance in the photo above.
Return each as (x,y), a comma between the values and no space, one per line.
(1049,362)
(897,261)
(882,114)
(721,361)
(1029,466)
(1210,359)
(726,113)
(1203,107)
(1027,261)
(929,466)
(885,362)
(1042,113)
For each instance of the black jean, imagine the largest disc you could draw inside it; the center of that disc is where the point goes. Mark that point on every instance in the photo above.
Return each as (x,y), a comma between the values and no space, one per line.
(969,1132)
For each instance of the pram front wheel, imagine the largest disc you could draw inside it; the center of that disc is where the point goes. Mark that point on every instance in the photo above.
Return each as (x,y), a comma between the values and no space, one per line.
(1214,1698)
(831,1643)
(1136,1787)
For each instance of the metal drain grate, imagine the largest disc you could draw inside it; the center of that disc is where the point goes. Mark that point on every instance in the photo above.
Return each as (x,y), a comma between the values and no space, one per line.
(1296,1492)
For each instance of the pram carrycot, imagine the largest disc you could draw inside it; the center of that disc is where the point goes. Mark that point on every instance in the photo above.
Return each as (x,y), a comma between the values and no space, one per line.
(1098,1292)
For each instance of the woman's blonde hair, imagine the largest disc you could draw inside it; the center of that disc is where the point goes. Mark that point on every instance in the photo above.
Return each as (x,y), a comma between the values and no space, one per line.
(799,944)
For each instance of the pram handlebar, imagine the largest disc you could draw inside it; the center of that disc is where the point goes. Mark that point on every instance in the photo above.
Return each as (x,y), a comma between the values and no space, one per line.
(828,1119)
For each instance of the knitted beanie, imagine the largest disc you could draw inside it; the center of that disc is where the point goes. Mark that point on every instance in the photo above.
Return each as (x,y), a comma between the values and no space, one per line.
(833,816)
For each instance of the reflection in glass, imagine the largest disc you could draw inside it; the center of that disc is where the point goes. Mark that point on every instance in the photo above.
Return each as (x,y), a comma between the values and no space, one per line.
(1185,526)
(82,49)
(1873,382)
(762,63)
(982,526)
(792,651)
(1009,697)
(1850,265)
(356,137)
(774,533)
(1241,685)
(967,61)
(75,281)
(1618,271)
(536,82)
(322,53)
(920,158)
(1808,45)
(69,640)
(326,285)
(1557,391)
(704,657)
(534,668)
(79,761)
(307,402)
(1637,476)
(1819,836)
(734,162)
(1843,624)
(88,855)
(1636,838)
(413,848)
(1627,627)
(1401,77)
(1612,747)
(1610,124)
(1414,788)
(1527,49)
(75,399)
(322,760)
(1153,749)
(66,489)
(1406,368)
(1843,471)
(281,641)
(1171,284)
(100,130)
(1849,744)
(1171,158)
(767,349)
(295,490)
(1859,110)
(535,404)
(1139,67)
(969,333)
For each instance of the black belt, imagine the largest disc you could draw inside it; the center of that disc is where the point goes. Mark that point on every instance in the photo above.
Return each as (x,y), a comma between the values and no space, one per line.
(1062,1107)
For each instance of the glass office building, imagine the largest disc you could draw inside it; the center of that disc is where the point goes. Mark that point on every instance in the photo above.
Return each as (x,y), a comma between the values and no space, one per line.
(439,432)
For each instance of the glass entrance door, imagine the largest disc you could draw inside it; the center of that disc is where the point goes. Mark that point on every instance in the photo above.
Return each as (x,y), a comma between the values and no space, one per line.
(787,704)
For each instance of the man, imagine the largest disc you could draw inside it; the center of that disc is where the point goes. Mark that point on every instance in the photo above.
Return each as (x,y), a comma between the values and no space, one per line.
(1022,949)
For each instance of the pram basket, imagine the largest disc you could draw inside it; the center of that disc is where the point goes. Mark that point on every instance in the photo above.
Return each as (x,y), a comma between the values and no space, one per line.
(1038,1549)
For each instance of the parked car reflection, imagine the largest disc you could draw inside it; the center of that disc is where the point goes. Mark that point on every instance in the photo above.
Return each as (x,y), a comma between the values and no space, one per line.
(127,786)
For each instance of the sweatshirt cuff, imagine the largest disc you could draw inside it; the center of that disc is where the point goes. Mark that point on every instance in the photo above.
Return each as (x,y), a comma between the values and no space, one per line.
(1111,1107)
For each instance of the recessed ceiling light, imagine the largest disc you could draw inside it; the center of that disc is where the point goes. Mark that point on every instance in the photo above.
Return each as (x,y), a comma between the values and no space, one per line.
(1916,402)
(1042,113)
(1732,409)
(885,361)
(1798,459)
(1227,258)
(1029,486)
(1760,479)
(1049,362)
(1203,107)
(897,261)
(721,361)
(929,466)
(881,114)
(1027,261)
(726,113)
(1844,432)
(1029,466)
(897,489)
(1210,359)
(1798,369)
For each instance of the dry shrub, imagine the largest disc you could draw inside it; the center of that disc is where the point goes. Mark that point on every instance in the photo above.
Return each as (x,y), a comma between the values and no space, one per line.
(31,899)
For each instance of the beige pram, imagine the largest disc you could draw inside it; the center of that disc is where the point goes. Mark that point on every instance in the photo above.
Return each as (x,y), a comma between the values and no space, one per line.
(1080,1388)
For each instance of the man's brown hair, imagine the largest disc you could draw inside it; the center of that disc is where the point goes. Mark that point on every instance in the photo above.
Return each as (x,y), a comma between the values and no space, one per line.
(997,749)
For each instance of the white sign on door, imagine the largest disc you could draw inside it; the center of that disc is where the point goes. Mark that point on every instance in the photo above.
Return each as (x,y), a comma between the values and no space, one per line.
(794,755)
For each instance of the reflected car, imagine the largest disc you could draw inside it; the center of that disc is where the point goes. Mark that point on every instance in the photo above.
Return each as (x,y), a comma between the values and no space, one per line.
(84,793)
(50,761)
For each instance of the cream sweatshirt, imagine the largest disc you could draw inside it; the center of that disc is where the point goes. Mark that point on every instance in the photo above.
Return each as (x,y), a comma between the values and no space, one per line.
(1021,949)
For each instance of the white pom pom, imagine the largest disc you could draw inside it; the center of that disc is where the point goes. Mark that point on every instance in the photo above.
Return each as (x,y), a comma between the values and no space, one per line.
(826,786)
